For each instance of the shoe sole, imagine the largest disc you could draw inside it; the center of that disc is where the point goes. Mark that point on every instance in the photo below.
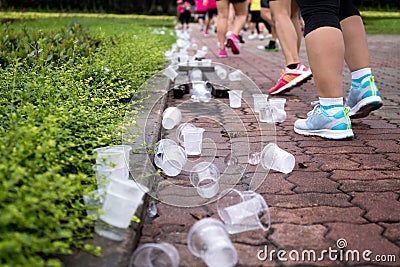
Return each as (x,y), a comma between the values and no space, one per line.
(295,82)
(365,107)
(235,48)
(328,134)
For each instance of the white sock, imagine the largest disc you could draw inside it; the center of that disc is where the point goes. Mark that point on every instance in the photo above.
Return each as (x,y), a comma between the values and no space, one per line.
(331,105)
(360,73)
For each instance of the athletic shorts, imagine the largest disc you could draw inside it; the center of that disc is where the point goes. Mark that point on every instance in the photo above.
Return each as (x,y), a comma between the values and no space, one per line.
(212,12)
(235,1)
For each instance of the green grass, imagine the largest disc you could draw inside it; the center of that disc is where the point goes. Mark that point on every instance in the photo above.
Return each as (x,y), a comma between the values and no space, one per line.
(381,22)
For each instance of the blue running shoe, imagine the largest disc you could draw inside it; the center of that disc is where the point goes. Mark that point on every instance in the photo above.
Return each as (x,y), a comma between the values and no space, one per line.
(337,126)
(363,98)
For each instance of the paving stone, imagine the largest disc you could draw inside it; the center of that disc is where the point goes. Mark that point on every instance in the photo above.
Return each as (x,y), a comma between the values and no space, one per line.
(392,231)
(364,175)
(374,161)
(387,146)
(382,206)
(385,185)
(306,182)
(308,200)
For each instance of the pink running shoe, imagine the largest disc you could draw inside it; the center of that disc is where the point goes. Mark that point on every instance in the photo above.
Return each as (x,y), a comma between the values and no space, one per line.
(233,43)
(291,78)
(222,53)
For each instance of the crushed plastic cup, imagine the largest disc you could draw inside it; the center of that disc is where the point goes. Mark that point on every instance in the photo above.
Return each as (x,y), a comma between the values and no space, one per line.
(278,109)
(171,117)
(155,255)
(221,72)
(113,156)
(260,101)
(192,140)
(196,74)
(235,98)
(200,91)
(235,75)
(169,157)
(274,157)
(170,73)
(105,173)
(265,115)
(204,176)
(209,240)
(243,211)
(179,134)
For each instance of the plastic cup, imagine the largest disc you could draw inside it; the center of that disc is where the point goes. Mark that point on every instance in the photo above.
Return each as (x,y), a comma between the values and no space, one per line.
(265,115)
(278,109)
(209,240)
(204,176)
(155,255)
(235,98)
(94,200)
(105,173)
(274,157)
(170,73)
(196,74)
(260,101)
(173,160)
(221,72)
(159,150)
(127,188)
(113,156)
(200,91)
(192,140)
(235,75)
(179,135)
(243,211)
(171,117)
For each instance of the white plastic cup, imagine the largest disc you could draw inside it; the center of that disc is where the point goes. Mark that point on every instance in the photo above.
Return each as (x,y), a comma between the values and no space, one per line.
(170,73)
(260,101)
(196,74)
(105,173)
(235,75)
(171,117)
(94,200)
(204,176)
(278,109)
(209,240)
(192,140)
(274,157)
(127,188)
(179,135)
(265,115)
(200,91)
(155,255)
(159,150)
(243,211)
(221,72)
(113,156)
(235,98)
(174,159)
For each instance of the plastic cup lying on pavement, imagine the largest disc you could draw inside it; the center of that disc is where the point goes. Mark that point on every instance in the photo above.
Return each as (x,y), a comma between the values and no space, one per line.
(265,115)
(277,106)
(204,176)
(221,72)
(260,101)
(243,211)
(155,255)
(274,157)
(235,98)
(171,117)
(170,73)
(192,140)
(235,76)
(196,74)
(105,173)
(179,134)
(209,240)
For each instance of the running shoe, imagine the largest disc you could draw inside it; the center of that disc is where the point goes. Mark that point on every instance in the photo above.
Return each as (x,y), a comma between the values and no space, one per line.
(252,36)
(363,98)
(321,124)
(233,43)
(222,53)
(290,78)
(271,47)
(261,36)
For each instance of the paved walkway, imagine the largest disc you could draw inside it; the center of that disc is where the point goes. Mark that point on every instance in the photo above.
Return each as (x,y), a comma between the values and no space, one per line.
(338,190)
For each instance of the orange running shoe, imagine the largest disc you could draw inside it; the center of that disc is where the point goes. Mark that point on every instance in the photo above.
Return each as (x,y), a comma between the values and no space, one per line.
(290,78)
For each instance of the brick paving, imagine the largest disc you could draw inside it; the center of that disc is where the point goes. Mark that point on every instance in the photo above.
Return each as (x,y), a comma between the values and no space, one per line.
(338,189)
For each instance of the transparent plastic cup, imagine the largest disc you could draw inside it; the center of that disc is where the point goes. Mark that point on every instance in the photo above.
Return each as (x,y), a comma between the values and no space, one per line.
(260,101)
(170,73)
(278,109)
(193,140)
(243,211)
(235,98)
(196,74)
(105,173)
(200,91)
(173,160)
(274,157)
(155,255)
(171,117)
(179,135)
(127,188)
(221,72)
(159,149)
(204,176)
(113,156)
(93,201)
(209,240)
(265,115)
(235,75)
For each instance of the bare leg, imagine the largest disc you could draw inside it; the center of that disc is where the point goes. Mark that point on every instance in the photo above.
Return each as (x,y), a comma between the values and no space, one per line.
(325,49)
(240,16)
(222,22)
(294,17)
(267,16)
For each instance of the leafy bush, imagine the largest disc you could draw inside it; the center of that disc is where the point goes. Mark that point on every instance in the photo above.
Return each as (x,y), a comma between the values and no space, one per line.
(56,105)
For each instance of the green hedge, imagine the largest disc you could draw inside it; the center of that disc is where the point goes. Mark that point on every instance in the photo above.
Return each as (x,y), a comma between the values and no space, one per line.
(63,93)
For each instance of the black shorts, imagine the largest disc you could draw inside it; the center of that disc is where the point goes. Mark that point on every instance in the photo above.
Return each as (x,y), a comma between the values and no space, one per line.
(255,16)
(212,12)
(235,1)
(184,18)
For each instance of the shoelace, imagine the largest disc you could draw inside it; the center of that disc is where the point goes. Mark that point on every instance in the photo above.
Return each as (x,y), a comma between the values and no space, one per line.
(316,108)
